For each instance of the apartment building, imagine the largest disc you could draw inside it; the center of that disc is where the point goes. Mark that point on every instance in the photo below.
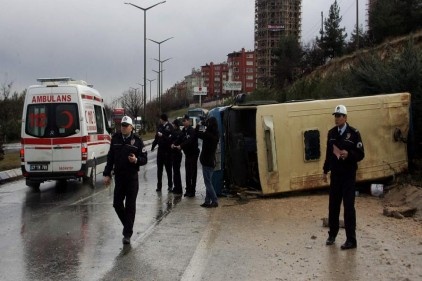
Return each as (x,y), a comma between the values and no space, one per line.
(213,76)
(242,68)
(273,20)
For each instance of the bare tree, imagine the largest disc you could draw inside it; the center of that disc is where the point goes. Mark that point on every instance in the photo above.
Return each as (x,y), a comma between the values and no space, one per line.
(6,88)
(132,102)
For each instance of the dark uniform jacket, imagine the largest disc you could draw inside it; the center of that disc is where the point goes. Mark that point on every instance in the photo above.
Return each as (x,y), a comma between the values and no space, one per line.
(209,146)
(189,141)
(351,141)
(120,149)
(164,142)
(176,138)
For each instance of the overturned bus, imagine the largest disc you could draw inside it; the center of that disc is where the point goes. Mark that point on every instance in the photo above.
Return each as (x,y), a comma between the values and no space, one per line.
(280,148)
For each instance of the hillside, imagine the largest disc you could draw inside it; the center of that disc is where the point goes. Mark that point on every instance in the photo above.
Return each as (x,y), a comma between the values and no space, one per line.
(388,48)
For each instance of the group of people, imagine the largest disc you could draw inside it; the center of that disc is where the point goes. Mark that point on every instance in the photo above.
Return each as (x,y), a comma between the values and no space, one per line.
(127,153)
(172,141)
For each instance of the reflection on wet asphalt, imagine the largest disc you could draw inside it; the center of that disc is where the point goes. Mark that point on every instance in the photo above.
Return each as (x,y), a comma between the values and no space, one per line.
(70,231)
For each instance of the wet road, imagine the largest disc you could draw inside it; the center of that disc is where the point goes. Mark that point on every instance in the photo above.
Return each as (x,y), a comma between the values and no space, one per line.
(71,232)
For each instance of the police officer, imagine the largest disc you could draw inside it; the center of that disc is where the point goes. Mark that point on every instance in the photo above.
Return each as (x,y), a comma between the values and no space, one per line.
(163,140)
(189,144)
(126,154)
(176,158)
(344,150)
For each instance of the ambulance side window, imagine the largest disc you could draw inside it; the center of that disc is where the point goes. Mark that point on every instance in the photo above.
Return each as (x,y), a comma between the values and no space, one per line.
(36,119)
(99,119)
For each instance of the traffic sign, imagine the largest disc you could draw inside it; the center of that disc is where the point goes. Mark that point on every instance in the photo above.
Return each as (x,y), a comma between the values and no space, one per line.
(232,85)
(200,91)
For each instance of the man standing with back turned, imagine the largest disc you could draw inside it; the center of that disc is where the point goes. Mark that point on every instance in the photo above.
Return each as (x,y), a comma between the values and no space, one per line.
(344,150)
(163,140)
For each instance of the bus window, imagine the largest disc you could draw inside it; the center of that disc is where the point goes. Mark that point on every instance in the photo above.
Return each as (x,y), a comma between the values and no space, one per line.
(312,145)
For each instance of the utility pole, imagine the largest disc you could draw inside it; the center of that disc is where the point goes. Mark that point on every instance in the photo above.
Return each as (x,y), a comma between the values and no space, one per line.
(145,49)
(357,25)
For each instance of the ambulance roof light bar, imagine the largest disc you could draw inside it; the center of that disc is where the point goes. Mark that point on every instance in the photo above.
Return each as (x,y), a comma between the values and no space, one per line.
(57,79)
(60,80)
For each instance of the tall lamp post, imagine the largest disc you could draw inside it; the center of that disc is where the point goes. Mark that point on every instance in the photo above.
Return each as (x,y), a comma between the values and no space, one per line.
(160,63)
(145,48)
(160,85)
(162,78)
(150,80)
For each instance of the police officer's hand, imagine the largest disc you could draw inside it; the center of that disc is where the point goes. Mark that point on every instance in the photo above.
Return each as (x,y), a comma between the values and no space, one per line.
(160,134)
(324,177)
(107,180)
(132,158)
(344,154)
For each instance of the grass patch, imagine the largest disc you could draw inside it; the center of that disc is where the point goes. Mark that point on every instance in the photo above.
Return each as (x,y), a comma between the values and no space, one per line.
(11,160)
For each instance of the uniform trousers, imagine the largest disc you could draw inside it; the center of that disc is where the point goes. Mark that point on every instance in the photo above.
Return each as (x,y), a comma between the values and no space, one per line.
(342,188)
(164,159)
(177,180)
(124,201)
(191,168)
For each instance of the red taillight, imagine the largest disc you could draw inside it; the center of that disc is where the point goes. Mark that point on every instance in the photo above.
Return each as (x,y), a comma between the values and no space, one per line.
(22,153)
(84,151)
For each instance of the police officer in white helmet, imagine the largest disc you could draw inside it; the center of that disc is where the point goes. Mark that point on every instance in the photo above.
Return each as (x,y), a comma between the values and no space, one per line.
(127,153)
(344,151)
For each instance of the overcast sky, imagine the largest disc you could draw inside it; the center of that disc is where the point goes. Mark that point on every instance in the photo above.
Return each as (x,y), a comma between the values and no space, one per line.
(101,41)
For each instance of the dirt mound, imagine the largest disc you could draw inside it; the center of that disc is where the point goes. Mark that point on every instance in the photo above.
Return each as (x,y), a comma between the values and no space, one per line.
(403,201)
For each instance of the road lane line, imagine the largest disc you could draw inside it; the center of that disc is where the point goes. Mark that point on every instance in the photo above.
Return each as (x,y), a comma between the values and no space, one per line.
(199,260)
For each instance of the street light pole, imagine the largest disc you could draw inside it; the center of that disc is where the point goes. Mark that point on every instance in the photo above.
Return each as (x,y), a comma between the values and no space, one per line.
(159,65)
(150,80)
(145,48)
(158,87)
(162,77)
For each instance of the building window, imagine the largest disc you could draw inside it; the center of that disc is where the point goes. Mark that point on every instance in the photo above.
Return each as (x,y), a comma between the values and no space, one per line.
(249,62)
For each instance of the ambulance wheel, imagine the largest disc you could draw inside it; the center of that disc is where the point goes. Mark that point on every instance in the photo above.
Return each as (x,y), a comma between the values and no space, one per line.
(93,177)
(35,186)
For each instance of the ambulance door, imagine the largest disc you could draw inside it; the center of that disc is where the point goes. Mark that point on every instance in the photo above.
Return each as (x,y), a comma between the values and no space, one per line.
(36,143)
(66,138)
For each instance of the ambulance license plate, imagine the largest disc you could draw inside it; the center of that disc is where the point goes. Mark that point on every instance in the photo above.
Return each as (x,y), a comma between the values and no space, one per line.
(38,167)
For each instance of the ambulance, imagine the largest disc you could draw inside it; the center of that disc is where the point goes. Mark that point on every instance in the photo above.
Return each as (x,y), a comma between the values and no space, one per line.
(65,133)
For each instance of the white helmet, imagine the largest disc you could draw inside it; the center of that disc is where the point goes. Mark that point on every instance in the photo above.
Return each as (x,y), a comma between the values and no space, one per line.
(127,120)
(340,109)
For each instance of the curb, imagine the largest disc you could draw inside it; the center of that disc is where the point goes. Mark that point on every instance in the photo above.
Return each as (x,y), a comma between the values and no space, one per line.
(10,175)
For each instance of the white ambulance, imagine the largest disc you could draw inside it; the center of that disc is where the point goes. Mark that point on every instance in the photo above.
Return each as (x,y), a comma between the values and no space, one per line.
(65,133)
